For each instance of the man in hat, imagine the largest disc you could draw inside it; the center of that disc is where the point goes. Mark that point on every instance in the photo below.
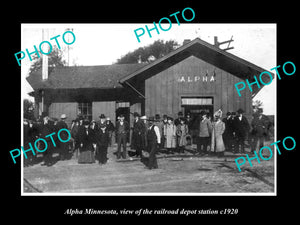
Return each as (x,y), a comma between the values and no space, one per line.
(228,133)
(102,138)
(122,130)
(46,128)
(153,139)
(102,120)
(160,124)
(170,135)
(63,146)
(137,132)
(241,129)
(177,121)
(110,128)
(259,131)
(80,120)
(205,129)
(190,123)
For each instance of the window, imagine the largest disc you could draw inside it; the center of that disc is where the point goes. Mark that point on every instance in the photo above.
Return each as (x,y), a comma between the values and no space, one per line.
(122,105)
(196,101)
(85,109)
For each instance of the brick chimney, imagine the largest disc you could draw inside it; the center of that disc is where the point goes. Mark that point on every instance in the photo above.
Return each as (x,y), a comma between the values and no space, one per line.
(185,41)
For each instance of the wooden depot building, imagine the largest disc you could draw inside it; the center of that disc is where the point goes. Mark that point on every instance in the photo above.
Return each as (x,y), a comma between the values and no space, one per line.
(196,76)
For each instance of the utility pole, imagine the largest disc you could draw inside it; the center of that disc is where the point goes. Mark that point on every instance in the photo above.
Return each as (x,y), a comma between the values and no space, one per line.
(45,36)
(71,29)
(217,43)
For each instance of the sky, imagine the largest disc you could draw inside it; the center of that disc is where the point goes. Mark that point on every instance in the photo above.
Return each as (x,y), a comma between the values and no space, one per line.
(103,44)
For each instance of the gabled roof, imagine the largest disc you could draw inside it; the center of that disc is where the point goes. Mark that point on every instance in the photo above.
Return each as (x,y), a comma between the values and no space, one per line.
(105,76)
(208,53)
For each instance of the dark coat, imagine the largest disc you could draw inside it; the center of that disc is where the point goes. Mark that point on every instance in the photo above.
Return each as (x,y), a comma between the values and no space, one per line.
(102,137)
(241,127)
(45,130)
(86,139)
(110,126)
(229,128)
(127,128)
(62,125)
(32,132)
(138,132)
(260,125)
(74,131)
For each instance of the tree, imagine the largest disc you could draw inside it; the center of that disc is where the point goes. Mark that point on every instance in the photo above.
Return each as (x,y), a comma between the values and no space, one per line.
(149,53)
(54,60)
(257,104)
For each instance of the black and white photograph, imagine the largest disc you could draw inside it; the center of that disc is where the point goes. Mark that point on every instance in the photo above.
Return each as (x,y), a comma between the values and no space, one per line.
(149,112)
(165,110)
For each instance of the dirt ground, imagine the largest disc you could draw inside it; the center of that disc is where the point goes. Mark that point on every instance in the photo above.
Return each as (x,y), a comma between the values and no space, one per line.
(178,173)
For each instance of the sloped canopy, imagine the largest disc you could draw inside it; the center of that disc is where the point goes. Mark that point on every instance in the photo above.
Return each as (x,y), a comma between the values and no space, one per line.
(103,77)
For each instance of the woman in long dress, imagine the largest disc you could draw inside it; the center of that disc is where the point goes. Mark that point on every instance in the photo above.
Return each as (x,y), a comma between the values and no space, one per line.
(217,144)
(86,138)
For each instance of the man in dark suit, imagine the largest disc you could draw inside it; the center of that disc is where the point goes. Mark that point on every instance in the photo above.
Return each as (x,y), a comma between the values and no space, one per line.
(241,129)
(64,136)
(102,137)
(137,131)
(46,128)
(122,130)
(177,120)
(153,139)
(259,131)
(228,133)
(111,128)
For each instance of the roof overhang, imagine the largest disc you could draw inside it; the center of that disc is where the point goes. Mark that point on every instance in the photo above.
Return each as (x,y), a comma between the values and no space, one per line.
(208,53)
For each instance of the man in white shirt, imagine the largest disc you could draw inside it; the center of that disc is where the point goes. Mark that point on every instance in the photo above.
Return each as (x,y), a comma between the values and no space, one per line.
(153,139)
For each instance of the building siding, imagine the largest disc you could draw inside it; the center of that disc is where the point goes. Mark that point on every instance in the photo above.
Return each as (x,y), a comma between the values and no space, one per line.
(68,108)
(106,108)
(164,90)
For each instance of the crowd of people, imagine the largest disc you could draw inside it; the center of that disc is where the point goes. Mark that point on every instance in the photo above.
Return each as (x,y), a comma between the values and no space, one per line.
(91,139)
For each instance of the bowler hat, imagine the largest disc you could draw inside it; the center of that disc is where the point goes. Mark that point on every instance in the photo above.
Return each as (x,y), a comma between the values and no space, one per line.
(157,117)
(240,111)
(102,116)
(180,113)
(151,118)
(121,116)
(135,114)
(86,122)
(182,119)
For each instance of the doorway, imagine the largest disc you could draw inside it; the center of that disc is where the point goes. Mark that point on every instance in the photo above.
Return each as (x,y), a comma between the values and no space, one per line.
(194,106)
(123,108)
